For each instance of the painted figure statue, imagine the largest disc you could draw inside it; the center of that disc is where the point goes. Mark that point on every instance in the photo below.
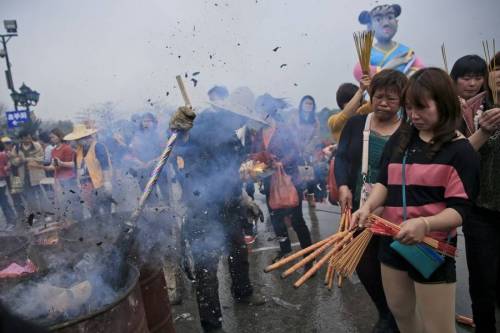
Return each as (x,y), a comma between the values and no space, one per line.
(387,53)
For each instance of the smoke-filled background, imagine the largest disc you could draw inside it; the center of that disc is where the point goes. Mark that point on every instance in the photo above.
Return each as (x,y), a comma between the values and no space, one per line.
(81,53)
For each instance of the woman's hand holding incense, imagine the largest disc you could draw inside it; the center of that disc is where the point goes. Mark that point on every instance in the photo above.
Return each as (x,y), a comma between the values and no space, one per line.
(345,197)
(490,120)
(364,83)
(360,218)
(412,231)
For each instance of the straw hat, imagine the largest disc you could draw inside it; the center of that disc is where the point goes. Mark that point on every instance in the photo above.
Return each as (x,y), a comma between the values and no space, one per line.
(241,102)
(79,131)
(6,139)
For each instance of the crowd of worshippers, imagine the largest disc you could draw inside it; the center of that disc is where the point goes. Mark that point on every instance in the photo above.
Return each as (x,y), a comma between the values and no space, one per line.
(434,134)
(423,153)
(443,129)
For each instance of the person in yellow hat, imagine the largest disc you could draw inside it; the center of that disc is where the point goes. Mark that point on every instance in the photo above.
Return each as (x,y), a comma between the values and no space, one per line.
(93,169)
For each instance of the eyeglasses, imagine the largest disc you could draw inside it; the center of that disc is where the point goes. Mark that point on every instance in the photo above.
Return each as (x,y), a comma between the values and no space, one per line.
(388,99)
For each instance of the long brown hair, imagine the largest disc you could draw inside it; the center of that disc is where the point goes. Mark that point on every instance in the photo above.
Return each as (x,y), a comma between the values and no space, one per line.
(494,62)
(432,83)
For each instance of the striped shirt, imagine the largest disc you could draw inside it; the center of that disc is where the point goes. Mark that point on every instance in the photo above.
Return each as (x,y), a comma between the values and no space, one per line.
(450,179)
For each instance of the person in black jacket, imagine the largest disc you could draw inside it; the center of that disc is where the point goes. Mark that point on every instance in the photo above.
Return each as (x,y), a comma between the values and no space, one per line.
(385,90)
(211,156)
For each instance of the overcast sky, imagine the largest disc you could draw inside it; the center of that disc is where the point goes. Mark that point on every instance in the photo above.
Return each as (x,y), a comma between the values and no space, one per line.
(79,53)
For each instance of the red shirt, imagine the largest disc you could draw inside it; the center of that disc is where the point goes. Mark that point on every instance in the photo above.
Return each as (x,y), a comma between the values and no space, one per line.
(4,160)
(65,154)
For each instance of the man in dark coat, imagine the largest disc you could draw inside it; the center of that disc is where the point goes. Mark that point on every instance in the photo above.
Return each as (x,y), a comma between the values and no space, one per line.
(208,159)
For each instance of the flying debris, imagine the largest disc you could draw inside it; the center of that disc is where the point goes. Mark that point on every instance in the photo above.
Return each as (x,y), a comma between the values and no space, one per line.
(196,73)
(168,93)
(195,82)
(186,75)
(276,48)
(295,84)
(283,66)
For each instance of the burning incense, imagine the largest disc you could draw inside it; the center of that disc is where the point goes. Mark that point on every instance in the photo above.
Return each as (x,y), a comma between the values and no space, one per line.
(363,41)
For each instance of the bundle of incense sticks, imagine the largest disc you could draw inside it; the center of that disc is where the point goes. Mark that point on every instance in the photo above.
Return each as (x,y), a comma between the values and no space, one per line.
(492,66)
(381,226)
(316,252)
(345,221)
(346,261)
(364,41)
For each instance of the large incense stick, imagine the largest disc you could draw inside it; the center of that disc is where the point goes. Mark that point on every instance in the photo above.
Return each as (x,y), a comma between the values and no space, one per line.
(300,253)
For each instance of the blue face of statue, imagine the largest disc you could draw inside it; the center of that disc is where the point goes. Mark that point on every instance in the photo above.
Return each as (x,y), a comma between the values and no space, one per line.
(385,25)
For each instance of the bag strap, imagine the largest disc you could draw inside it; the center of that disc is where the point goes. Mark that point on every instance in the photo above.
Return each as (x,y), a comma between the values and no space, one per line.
(403,184)
(366,145)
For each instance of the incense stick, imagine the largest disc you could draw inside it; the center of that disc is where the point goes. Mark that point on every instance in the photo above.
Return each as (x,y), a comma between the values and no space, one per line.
(445,59)
(298,254)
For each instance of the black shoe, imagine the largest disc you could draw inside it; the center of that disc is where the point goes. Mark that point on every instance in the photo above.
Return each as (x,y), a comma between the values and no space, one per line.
(209,326)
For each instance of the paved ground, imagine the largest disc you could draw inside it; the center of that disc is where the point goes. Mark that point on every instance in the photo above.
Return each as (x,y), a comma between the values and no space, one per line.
(311,308)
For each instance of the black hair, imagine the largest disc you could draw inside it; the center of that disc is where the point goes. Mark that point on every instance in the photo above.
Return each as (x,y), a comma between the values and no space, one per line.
(388,79)
(468,65)
(148,115)
(57,132)
(44,137)
(436,84)
(345,93)
(24,134)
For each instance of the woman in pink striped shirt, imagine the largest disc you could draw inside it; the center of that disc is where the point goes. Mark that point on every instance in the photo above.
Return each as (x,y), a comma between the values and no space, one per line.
(440,172)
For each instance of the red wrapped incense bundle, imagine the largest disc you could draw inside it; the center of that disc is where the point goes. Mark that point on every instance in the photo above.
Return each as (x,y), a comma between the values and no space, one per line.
(381,226)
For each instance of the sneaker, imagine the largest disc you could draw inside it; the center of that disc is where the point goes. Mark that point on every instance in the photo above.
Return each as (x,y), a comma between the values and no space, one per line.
(254,299)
